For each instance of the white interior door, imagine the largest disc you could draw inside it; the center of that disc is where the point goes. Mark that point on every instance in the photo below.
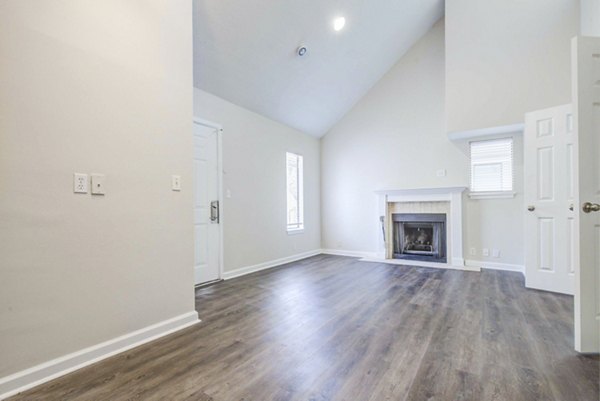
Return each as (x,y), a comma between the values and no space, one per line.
(206,207)
(550,240)
(586,107)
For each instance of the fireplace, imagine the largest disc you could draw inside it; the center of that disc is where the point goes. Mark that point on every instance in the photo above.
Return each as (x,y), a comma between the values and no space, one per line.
(419,236)
(429,201)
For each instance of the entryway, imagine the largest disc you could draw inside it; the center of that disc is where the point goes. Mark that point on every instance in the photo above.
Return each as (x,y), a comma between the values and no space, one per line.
(562,187)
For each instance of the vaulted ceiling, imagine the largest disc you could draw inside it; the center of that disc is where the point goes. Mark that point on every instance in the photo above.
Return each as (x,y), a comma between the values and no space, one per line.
(245,52)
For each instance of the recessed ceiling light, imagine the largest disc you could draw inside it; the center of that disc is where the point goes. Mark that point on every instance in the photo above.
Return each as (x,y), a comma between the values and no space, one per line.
(338,23)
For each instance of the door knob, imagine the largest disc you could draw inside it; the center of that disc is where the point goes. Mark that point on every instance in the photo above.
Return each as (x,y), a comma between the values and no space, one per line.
(589,207)
(531,208)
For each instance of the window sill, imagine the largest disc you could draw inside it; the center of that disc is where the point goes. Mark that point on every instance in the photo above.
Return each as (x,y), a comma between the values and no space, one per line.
(492,195)
(295,231)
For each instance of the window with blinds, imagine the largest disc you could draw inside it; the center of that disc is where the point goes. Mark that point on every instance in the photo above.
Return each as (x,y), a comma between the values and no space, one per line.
(295,191)
(492,165)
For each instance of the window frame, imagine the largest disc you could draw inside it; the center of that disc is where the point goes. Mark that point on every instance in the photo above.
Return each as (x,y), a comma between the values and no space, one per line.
(295,228)
(495,194)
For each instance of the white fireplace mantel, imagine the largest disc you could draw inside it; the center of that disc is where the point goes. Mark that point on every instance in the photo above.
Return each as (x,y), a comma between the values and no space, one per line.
(453,195)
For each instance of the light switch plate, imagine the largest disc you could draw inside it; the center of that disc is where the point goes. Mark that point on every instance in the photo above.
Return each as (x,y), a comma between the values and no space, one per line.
(441,172)
(80,183)
(176,183)
(496,253)
(473,251)
(485,252)
(98,184)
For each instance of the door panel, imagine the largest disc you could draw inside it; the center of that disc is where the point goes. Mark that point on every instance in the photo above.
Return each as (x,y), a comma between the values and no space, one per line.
(546,244)
(570,172)
(548,225)
(586,116)
(545,127)
(206,189)
(546,173)
(571,246)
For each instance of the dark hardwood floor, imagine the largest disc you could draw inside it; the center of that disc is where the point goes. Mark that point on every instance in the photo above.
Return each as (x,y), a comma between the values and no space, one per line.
(335,328)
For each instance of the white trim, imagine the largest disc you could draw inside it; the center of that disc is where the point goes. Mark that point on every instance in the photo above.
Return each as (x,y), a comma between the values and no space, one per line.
(208,123)
(419,263)
(493,195)
(267,265)
(496,266)
(457,262)
(219,129)
(354,254)
(300,195)
(487,132)
(42,373)
(295,231)
(407,194)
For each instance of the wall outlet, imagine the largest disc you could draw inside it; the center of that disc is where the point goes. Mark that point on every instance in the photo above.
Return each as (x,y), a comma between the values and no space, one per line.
(441,172)
(485,252)
(176,183)
(473,251)
(496,253)
(80,183)
(98,184)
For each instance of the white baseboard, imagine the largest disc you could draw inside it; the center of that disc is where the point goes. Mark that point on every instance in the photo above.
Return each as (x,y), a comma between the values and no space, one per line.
(354,254)
(496,266)
(267,265)
(28,378)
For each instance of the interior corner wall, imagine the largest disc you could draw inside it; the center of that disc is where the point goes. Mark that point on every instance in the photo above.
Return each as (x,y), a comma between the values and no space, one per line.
(254,219)
(394,138)
(505,58)
(105,87)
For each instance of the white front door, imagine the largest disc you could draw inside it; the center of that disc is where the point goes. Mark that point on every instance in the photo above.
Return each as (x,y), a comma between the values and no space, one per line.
(550,240)
(586,107)
(206,206)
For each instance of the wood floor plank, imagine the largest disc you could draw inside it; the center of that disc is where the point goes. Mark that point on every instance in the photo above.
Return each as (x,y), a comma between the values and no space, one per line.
(336,328)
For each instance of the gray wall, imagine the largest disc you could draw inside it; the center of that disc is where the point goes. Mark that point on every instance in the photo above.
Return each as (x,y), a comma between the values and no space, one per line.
(394,138)
(505,58)
(105,87)
(254,172)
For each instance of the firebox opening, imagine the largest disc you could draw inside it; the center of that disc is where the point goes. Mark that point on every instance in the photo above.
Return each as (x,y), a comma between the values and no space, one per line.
(420,236)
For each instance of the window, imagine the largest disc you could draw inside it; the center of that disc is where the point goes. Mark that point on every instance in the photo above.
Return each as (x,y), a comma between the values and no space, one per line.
(492,166)
(295,192)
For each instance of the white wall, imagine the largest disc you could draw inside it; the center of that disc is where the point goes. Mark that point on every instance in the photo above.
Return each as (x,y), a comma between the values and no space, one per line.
(254,150)
(590,17)
(92,86)
(394,138)
(505,58)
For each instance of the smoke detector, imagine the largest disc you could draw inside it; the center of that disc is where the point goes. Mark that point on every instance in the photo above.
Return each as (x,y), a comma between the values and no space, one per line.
(301,50)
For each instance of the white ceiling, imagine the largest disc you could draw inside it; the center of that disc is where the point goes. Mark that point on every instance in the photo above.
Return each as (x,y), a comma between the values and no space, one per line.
(245,52)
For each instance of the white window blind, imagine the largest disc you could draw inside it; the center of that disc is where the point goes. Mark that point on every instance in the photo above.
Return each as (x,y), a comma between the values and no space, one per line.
(295,191)
(492,165)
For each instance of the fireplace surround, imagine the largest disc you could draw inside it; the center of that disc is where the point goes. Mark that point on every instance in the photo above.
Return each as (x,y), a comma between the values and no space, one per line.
(444,200)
